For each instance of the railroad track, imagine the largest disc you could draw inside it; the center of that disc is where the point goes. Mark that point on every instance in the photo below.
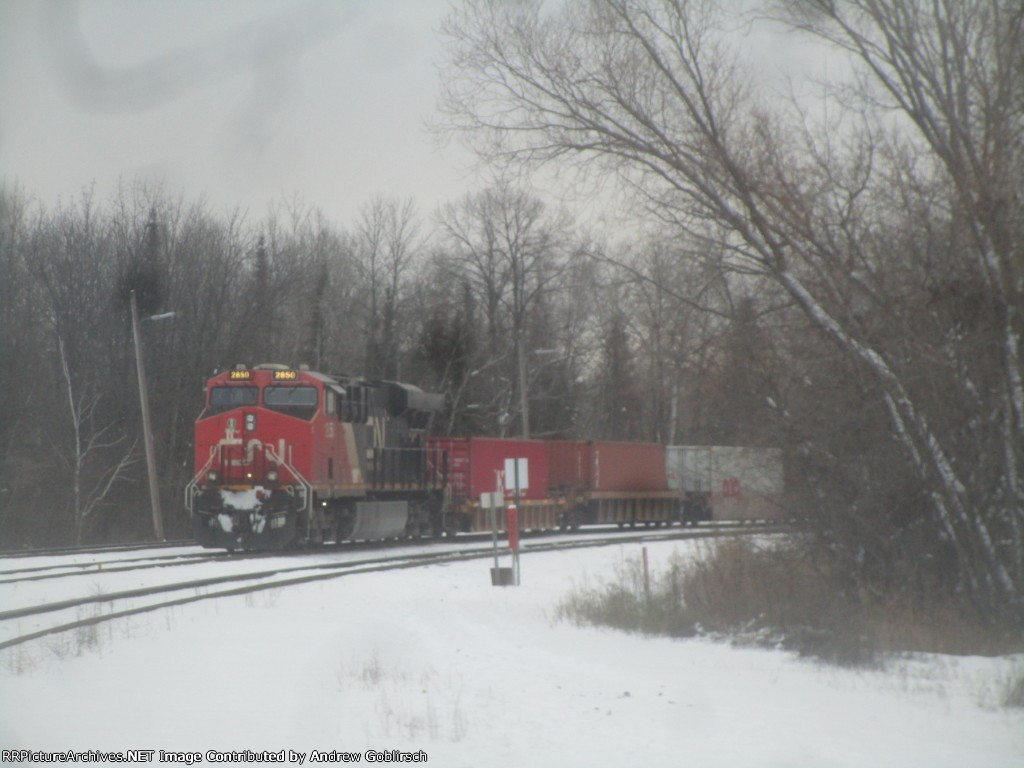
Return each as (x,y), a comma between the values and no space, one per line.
(93,567)
(236,584)
(90,566)
(93,550)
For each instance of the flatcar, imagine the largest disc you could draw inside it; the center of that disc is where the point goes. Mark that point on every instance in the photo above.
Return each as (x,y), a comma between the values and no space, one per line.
(570,484)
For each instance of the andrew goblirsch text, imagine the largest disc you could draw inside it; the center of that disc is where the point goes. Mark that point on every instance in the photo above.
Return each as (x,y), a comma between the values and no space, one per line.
(284,756)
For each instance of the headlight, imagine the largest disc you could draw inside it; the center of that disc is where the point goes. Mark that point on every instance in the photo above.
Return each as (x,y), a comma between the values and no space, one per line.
(213,476)
(272,475)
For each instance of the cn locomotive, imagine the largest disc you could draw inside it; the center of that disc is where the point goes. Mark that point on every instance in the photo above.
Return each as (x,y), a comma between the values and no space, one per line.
(287,457)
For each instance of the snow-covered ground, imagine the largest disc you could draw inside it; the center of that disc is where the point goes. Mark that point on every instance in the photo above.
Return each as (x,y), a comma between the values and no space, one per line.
(437,660)
(31,581)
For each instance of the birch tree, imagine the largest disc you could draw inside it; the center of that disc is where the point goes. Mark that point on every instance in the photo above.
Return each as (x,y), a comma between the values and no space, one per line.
(69,257)
(96,458)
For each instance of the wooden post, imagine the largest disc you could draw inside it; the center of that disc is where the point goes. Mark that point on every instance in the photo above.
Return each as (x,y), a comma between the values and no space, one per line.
(147,430)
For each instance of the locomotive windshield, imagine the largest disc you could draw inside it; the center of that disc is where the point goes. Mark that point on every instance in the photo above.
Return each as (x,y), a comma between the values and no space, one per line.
(226,398)
(293,401)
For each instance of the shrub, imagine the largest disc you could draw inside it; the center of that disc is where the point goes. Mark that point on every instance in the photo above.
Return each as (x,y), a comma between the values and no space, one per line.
(781,595)
(1015,691)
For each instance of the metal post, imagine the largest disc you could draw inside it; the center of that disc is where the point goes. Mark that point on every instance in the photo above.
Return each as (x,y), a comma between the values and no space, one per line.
(515,552)
(647,576)
(494,535)
(494,517)
(147,431)
(524,395)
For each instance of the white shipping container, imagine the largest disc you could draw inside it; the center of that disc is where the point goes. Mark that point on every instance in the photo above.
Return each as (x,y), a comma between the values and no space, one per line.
(743,483)
(688,468)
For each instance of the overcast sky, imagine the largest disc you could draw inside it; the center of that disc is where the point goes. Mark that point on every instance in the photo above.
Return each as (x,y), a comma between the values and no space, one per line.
(242,101)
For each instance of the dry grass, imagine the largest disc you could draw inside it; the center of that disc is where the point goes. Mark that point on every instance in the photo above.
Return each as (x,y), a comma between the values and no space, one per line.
(1014,696)
(780,596)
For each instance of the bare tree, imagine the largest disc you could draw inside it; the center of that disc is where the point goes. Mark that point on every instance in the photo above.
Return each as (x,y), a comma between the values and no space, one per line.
(387,241)
(22,337)
(679,306)
(505,246)
(70,260)
(90,486)
(653,90)
(955,71)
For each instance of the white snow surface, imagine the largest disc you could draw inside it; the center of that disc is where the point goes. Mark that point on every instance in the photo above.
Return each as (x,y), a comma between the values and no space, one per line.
(436,659)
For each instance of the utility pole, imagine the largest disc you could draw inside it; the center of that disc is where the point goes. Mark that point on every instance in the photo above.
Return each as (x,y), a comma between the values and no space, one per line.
(524,395)
(147,430)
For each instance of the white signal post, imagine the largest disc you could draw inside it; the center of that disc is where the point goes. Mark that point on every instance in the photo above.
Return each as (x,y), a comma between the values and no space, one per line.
(492,501)
(517,473)
(519,469)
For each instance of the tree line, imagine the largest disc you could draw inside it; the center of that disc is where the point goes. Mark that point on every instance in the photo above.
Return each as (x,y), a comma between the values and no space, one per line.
(526,323)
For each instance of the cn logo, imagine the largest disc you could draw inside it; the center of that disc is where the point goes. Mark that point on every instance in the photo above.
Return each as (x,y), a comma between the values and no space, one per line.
(731,487)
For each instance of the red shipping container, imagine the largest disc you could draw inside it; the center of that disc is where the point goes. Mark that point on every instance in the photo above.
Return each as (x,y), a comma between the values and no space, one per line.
(449,457)
(628,466)
(569,465)
(473,463)
(606,466)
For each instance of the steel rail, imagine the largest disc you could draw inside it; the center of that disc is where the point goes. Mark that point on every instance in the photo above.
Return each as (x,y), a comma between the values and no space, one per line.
(160,561)
(72,570)
(95,549)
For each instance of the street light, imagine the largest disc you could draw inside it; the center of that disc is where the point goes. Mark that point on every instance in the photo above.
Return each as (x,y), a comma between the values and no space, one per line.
(147,430)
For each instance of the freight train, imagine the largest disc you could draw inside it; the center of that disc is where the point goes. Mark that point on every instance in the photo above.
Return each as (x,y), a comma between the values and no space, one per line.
(287,457)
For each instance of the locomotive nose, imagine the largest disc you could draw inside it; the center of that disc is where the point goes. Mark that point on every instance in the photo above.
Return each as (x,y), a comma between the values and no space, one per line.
(245,449)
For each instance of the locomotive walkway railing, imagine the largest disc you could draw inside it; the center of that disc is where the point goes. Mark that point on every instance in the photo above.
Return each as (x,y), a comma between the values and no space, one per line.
(307,488)
(190,489)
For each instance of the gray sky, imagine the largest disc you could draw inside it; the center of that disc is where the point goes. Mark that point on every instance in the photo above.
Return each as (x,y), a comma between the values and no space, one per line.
(240,101)
(243,102)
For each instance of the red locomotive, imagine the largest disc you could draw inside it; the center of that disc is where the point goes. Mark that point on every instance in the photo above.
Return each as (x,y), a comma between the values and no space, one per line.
(284,456)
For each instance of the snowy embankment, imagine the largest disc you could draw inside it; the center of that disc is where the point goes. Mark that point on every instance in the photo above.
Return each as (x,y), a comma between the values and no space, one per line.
(437,660)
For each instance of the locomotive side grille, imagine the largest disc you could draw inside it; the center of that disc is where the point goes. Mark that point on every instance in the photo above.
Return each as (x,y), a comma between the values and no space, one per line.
(392,467)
